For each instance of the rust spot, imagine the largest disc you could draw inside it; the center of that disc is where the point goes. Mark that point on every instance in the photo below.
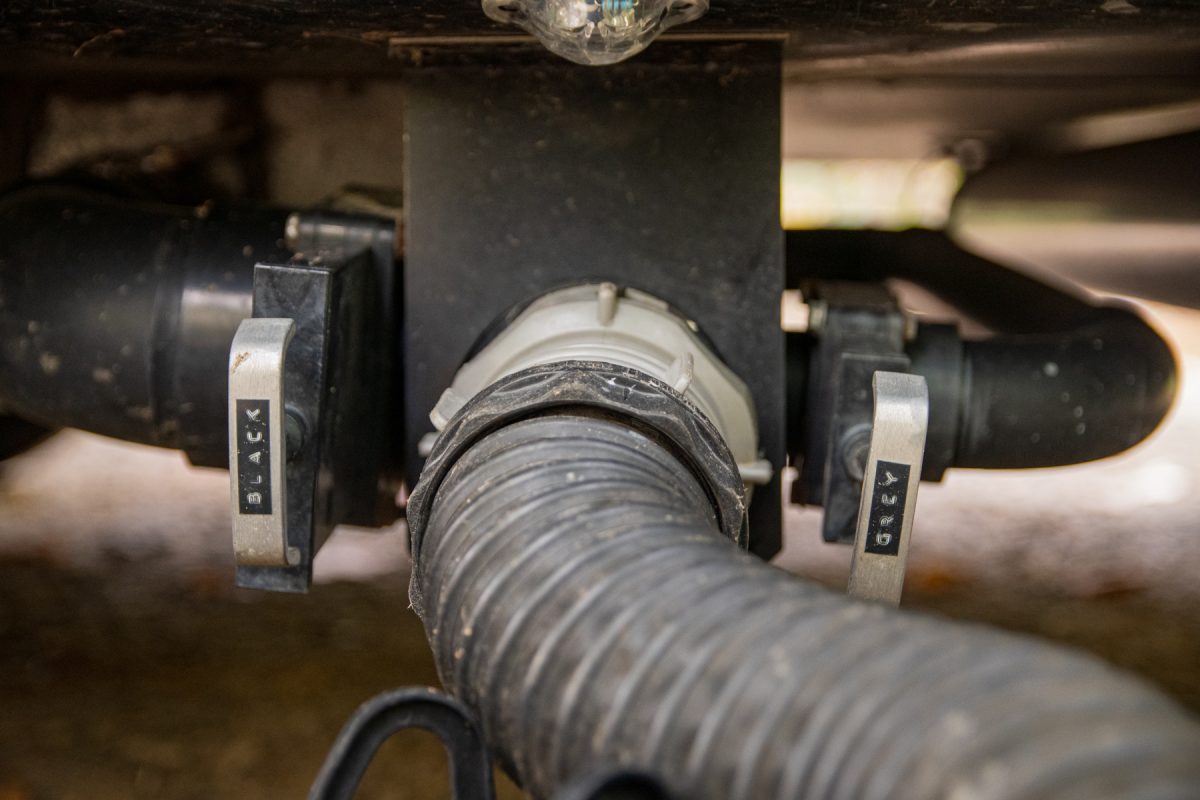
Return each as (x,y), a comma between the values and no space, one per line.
(937,578)
(237,361)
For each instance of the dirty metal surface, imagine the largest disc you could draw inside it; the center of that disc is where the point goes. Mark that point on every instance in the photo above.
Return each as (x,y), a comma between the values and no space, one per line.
(666,181)
(310,35)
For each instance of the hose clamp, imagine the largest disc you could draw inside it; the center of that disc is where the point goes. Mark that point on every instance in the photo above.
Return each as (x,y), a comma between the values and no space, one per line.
(625,392)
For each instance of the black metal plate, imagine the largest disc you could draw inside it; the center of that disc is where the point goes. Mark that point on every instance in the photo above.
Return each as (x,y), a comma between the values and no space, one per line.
(663,180)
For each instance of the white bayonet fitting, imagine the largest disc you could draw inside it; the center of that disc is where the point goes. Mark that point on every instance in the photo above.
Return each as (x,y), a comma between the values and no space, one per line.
(602,322)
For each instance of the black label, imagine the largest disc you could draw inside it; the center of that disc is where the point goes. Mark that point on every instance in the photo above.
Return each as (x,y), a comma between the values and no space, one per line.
(254,456)
(887,508)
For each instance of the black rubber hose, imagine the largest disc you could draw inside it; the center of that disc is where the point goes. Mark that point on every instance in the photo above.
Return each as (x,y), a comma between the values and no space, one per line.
(1004,300)
(1064,380)
(579,597)
(1044,400)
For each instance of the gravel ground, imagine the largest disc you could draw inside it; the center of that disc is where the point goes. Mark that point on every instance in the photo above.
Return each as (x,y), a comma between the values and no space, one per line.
(129,667)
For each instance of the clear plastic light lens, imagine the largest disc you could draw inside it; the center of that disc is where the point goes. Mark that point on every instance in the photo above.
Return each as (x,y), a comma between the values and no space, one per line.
(595,31)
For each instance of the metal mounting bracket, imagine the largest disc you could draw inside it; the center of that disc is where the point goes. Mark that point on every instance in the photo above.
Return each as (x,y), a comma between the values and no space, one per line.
(693,220)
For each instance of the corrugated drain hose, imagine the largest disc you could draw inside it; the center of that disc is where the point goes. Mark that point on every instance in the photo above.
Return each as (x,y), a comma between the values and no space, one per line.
(582,594)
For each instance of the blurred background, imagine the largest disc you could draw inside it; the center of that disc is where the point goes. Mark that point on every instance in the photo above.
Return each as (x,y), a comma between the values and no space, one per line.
(130,666)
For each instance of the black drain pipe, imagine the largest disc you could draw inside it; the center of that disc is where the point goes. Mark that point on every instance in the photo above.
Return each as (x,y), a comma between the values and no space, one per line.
(574,569)
(1063,379)
(116,317)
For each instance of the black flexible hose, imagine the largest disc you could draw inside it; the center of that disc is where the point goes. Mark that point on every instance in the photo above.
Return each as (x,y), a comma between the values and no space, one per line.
(579,597)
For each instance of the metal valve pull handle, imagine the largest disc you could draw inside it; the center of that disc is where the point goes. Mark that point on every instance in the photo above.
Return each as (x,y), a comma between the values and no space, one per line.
(889,491)
(258,443)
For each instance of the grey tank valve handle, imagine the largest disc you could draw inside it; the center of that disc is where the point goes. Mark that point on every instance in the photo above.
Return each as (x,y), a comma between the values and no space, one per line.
(889,490)
(258,443)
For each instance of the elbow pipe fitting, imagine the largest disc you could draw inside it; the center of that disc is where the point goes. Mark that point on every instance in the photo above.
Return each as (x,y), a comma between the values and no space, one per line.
(582,596)
(1044,400)
(1062,380)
